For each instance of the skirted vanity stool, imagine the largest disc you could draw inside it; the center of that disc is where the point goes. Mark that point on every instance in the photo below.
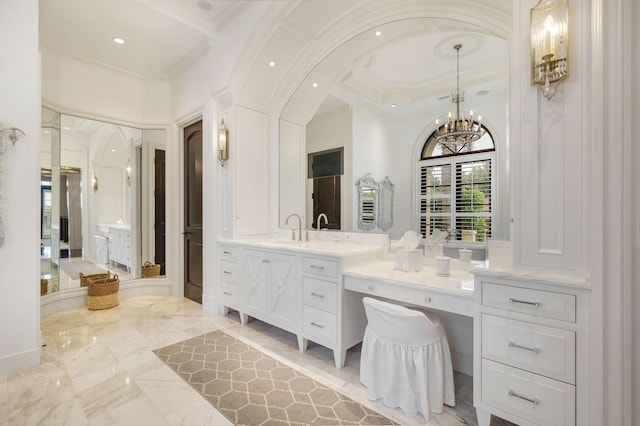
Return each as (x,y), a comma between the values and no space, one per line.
(405,359)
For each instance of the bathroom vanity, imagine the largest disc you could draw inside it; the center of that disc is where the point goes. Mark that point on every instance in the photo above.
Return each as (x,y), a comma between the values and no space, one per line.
(296,286)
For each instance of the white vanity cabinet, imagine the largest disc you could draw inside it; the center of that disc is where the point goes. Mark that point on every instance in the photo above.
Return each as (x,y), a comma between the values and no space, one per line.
(269,289)
(228,277)
(120,246)
(331,317)
(296,290)
(530,350)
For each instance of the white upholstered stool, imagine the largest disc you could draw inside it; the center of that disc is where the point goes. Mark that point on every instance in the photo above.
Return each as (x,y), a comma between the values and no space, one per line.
(405,359)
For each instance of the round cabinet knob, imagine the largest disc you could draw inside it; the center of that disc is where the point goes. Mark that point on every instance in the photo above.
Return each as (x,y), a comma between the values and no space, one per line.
(427,300)
(371,288)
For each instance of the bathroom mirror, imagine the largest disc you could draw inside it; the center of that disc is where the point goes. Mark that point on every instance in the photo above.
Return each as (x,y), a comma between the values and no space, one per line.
(107,187)
(385,204)
(375,203)
(367,202)
(376,97)
(49,204)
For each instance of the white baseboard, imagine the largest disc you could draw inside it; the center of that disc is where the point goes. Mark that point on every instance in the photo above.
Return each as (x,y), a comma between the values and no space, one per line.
(20,361)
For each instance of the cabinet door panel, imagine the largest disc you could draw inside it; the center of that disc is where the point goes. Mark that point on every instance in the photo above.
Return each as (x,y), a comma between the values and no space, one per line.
(254,285)
(282,289)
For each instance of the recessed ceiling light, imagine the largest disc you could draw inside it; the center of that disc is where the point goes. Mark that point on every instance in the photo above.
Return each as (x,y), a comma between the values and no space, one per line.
(46,131)
(118,40)
(113,150)
(66,127)
(394,105)
(272,64)
(315,84)
(378,33)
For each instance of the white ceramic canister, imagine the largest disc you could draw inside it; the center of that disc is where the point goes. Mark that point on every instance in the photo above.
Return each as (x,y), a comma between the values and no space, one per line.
(442,266)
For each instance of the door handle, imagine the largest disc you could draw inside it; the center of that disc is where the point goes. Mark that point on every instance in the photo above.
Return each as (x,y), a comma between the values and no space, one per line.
(187,232)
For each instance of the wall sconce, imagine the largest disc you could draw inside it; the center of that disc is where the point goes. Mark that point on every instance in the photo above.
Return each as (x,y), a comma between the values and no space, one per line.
(129,173)
(94,182)
(549,45)
(223,143)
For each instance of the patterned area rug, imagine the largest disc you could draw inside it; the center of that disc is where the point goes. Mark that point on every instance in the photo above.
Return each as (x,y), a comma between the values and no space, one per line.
(251,388)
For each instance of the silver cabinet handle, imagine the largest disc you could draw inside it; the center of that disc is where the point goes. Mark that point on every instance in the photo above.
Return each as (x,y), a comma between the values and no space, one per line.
(321,296)
(526,348)
(317,267)
(227,293)
(371,288)
(524,302)
(315,324)
(427,299)
(226,272)
(534,401)
(226,252)
(265,260)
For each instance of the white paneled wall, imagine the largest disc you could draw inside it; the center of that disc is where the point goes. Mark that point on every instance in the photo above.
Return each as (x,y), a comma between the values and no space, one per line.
(252,170)
(547,157)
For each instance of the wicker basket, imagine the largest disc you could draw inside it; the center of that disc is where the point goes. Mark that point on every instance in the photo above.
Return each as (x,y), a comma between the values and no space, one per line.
(103,293)
(44,284)
(150,270)
(84,279)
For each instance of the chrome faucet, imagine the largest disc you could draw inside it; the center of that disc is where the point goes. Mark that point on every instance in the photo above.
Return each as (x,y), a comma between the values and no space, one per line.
(320,216)
(293,236)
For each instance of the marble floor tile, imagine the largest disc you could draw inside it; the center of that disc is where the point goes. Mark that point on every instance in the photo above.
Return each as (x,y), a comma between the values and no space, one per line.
(98,368)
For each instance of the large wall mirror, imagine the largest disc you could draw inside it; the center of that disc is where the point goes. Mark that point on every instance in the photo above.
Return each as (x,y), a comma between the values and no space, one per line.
(102,200)
(376,98)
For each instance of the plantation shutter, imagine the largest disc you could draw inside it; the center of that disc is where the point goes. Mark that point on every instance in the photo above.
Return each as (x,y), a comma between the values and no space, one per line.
(435,198)
(473,200)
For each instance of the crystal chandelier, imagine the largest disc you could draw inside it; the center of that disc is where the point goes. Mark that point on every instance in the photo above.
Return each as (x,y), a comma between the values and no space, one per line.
(458,133)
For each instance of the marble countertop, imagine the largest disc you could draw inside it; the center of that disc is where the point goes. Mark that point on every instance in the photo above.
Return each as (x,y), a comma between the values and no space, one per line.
(330,248)
(459,283)
(573,281)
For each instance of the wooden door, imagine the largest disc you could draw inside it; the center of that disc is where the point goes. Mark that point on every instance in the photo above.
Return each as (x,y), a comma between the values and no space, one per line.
(159,210)
(326,199)
(193,212)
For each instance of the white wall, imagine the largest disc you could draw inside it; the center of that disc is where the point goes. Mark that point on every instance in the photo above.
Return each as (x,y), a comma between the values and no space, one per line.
(19,197)
(77,86)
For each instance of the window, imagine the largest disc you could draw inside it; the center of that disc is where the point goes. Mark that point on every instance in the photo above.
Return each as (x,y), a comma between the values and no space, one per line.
(457,190)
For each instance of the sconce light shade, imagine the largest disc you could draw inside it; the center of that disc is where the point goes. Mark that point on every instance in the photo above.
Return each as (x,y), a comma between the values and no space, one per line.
(94,182)
(223,143)
(129,173)
(549,45)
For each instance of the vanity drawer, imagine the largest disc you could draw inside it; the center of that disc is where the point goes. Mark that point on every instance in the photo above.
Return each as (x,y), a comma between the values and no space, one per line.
(229,294)
(543,350)
(537,399)
(319,326)
(313,265)
(229,252)
(536,302)
(320,294)
(415,295)
(228,271)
